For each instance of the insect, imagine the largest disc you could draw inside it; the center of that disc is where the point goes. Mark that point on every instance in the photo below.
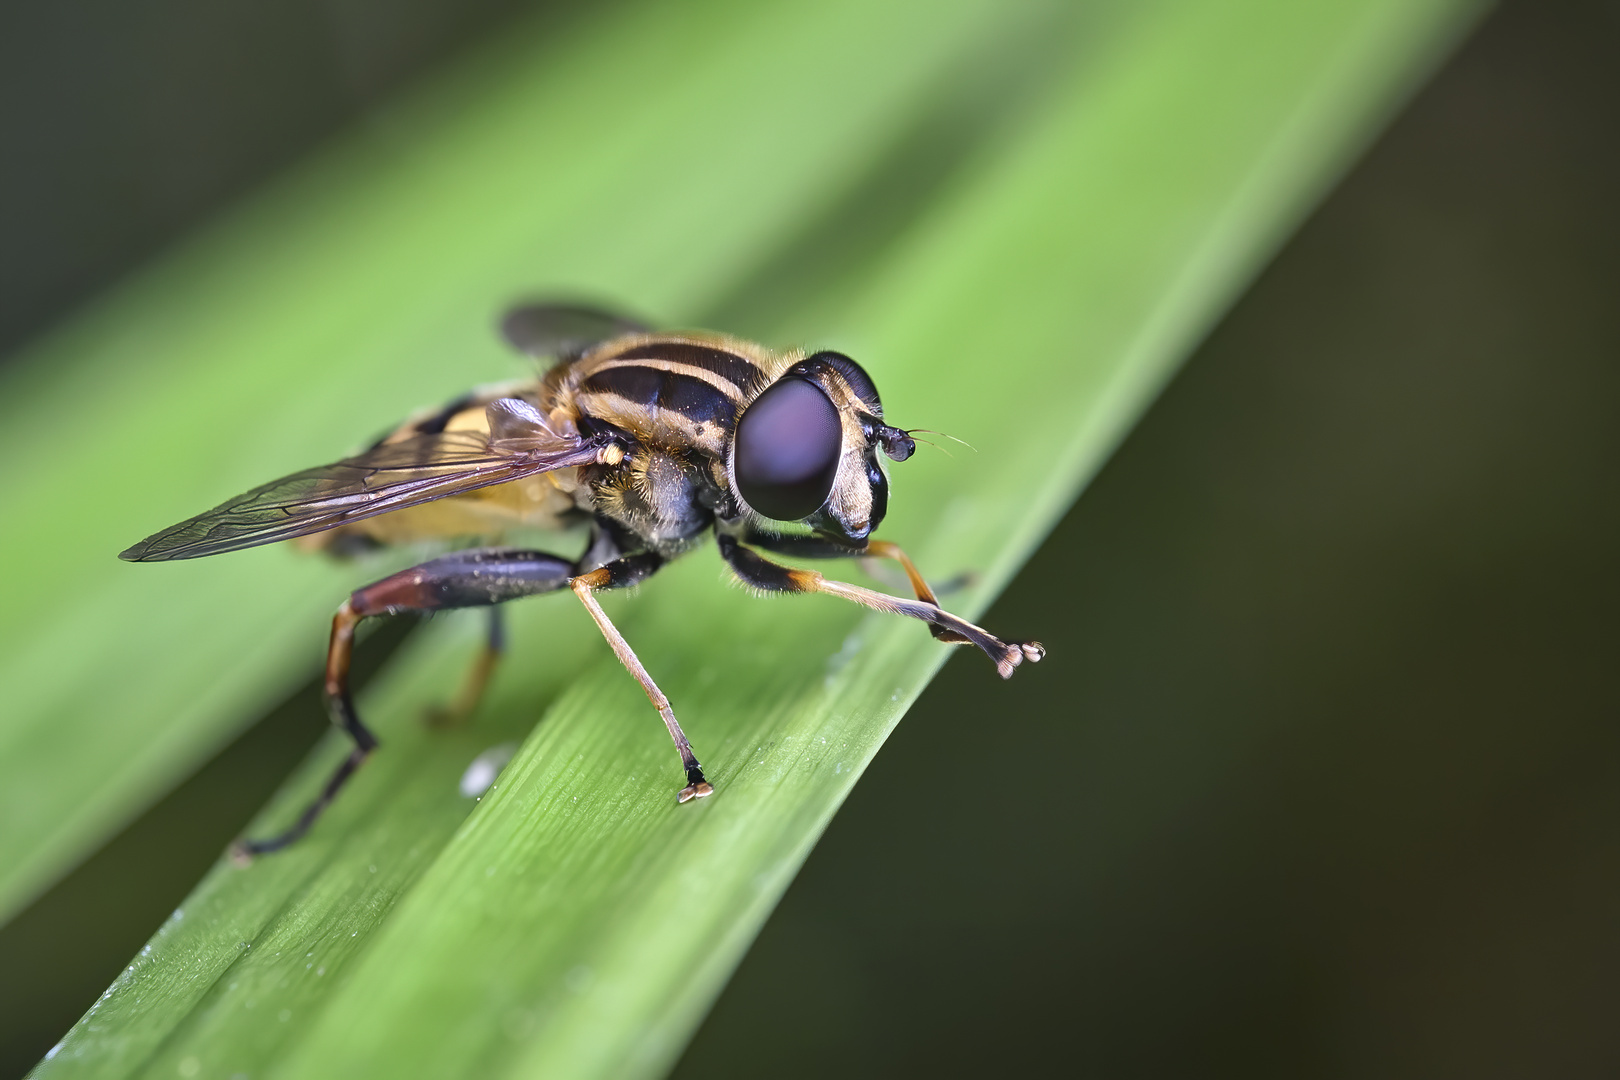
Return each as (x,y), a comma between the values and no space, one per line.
(651,440)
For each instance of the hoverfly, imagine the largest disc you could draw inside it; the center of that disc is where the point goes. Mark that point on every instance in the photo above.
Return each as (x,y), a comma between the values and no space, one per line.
(652,440)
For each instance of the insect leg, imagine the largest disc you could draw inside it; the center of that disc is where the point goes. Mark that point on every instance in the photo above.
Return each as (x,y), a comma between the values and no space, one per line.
(620,574)
(474,578)
(813,547)
(483,669)
(883,549)
(761,573)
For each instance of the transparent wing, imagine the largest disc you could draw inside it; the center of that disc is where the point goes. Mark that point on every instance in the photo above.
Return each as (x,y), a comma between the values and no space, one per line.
(563,331)
(384,478)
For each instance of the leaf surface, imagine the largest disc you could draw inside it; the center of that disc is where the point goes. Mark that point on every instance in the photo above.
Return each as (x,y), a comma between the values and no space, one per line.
(1103,186)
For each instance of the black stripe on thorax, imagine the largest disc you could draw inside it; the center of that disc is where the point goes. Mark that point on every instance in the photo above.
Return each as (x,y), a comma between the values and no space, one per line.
(694,398)
(741,372)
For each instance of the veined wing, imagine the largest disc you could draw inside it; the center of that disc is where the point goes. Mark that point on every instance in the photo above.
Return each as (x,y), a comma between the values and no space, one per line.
(385,478)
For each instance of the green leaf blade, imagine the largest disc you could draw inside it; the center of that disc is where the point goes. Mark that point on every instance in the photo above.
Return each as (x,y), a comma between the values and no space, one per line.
(577,922)
(363,287)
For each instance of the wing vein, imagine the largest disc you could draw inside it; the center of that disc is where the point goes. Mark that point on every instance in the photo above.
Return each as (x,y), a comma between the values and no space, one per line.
(385,478)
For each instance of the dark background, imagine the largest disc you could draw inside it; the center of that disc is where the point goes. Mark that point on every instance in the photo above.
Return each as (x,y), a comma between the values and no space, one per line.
(1321,777)
(123,123)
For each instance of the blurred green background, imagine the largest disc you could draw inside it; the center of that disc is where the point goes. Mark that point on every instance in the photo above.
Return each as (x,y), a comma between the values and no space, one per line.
(1328,779)
(1332,777)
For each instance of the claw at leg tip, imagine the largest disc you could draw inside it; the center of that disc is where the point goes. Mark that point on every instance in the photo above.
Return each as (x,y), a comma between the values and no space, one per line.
(699,790)
(240,853)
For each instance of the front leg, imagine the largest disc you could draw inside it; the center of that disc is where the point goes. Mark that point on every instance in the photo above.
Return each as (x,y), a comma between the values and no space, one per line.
(814,547)
(761,573)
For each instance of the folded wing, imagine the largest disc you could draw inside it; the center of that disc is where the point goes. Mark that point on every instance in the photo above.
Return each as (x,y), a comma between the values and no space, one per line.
(385,478)
(563,331)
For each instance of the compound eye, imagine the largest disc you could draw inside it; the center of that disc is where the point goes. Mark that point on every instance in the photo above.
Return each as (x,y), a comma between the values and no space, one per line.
(787,450)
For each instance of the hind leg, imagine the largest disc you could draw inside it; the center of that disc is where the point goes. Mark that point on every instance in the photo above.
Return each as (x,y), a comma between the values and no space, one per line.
(475,578)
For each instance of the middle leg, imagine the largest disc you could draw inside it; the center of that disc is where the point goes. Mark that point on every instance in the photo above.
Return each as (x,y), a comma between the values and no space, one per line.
(619,574)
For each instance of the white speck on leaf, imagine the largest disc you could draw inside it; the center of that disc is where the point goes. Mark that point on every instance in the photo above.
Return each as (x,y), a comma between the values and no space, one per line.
(482,773)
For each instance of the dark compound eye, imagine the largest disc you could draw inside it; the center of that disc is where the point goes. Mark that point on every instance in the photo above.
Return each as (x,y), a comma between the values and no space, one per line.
(787,450)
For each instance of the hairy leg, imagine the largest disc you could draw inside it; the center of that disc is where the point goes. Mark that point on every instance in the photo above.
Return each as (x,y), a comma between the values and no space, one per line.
(761,573)
(814,547)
